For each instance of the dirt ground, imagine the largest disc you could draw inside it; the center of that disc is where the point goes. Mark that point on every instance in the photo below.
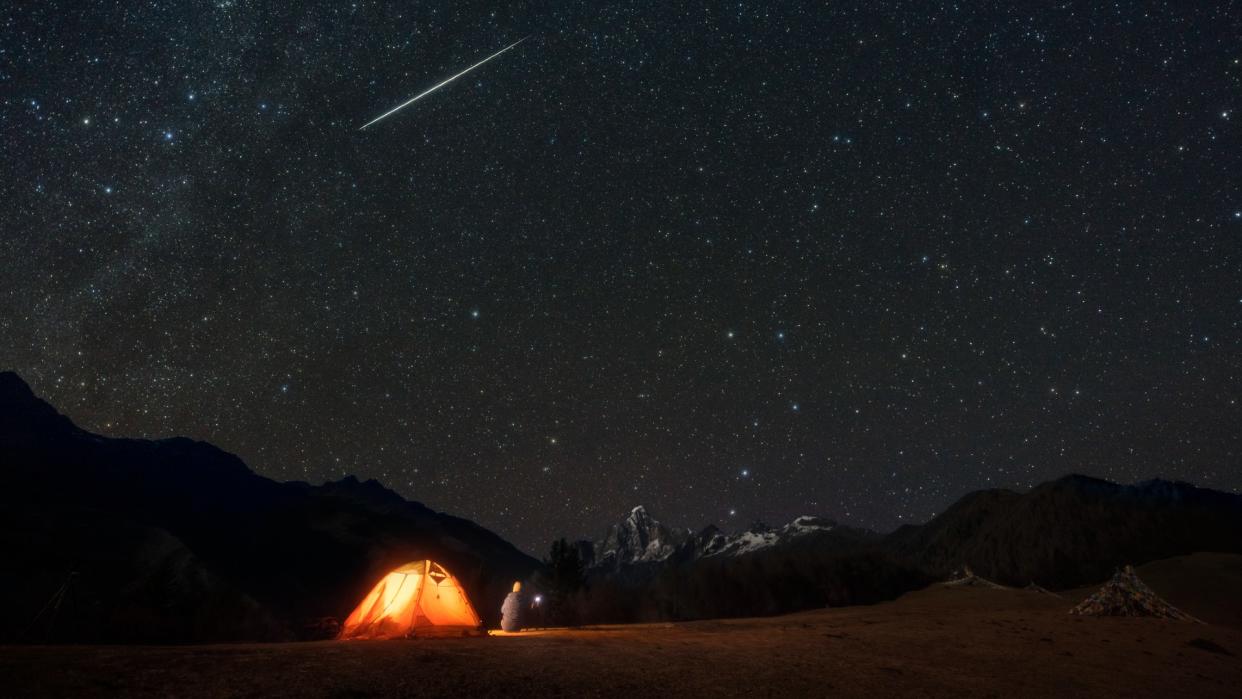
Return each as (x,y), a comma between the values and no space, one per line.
(936,642)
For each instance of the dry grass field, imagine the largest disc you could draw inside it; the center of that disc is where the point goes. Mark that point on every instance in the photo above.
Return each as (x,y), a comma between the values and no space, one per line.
(935,642)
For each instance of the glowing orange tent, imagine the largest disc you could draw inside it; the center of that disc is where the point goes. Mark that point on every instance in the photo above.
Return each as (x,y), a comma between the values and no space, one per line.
(417,599)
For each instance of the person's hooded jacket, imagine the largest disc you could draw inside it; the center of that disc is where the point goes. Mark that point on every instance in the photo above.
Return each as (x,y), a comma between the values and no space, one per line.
(511,611)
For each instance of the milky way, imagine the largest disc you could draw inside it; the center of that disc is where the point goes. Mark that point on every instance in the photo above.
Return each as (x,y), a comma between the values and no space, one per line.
(731,261)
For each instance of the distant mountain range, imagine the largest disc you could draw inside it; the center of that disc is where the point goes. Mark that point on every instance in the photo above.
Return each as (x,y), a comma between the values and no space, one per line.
(1065,533)
(123,540)
(642,570)
(1071,531)
(639,539)
(175,540)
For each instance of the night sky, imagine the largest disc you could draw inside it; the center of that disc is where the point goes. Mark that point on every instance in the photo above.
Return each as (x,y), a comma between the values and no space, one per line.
(739,262)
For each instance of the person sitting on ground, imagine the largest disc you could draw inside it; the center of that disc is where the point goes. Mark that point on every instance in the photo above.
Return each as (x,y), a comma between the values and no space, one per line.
(511,610)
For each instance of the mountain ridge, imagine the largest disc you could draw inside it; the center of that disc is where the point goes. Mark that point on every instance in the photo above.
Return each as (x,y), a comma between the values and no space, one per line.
(286,554)
(1073,530)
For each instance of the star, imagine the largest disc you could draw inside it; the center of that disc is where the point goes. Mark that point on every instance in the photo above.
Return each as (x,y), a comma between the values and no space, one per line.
(619,219)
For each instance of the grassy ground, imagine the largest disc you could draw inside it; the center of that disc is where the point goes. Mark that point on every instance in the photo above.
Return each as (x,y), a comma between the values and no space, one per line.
(937,642)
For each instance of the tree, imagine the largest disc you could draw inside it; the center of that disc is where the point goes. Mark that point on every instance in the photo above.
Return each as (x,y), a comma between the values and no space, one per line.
(562,577)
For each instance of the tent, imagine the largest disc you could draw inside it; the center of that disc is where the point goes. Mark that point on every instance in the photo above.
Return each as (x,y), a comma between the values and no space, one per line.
(1126,595)
(420,598)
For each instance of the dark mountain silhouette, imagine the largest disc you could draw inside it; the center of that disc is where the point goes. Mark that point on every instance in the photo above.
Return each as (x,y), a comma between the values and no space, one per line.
(176,540)
(1072,531)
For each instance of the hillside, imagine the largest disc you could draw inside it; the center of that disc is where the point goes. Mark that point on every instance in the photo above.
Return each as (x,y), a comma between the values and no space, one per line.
(176,540)
(1072,531)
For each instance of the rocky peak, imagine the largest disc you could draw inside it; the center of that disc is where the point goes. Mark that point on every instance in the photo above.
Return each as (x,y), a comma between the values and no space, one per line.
(640,516)
(639,538)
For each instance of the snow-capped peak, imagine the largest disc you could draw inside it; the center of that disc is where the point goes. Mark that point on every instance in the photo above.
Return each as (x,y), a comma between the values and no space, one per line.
(810,523)
(639,538)
(761,537)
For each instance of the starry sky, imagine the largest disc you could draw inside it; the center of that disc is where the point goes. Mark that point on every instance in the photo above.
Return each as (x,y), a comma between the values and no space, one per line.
(733,261)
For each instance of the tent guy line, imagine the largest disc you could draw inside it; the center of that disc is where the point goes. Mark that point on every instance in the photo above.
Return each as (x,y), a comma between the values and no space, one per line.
(439,85)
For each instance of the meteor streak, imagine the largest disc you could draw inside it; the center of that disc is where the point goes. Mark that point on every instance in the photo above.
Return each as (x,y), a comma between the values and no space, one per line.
(423,94)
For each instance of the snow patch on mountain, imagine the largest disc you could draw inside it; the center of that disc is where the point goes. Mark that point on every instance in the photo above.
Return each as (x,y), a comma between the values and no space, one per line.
(747,542)
(761,538)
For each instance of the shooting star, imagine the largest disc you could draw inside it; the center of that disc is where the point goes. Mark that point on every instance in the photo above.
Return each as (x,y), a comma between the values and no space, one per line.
(423,94)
